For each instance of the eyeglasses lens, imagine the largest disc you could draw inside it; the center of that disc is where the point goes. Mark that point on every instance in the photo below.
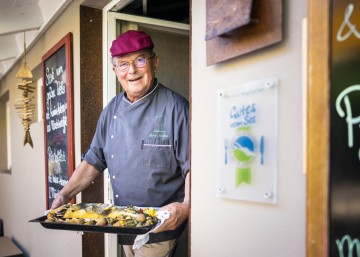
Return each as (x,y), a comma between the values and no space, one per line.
(138,62)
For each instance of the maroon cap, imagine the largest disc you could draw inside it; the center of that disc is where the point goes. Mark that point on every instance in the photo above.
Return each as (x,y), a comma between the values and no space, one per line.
(131,41)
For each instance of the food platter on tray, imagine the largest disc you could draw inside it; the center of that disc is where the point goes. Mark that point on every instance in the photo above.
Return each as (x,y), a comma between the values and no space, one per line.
(101,218)
(93,228)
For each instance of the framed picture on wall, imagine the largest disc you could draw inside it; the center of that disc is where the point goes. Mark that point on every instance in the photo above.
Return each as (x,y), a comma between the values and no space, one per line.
(58,117)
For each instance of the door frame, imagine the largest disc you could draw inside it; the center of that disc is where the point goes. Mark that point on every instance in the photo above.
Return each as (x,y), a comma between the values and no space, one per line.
(110,31)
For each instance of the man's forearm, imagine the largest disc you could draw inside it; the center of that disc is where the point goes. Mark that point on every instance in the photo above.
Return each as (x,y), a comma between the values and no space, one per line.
(81,179)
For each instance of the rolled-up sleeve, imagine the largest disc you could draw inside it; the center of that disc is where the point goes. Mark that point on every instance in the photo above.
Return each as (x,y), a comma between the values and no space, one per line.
(182,140)
(92,158)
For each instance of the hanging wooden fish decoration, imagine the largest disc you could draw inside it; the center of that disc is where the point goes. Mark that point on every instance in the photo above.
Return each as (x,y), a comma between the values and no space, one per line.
(25,109)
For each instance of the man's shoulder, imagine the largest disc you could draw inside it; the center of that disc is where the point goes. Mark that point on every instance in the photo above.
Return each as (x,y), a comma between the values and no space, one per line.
(112,105)
(171,95)
(115,100)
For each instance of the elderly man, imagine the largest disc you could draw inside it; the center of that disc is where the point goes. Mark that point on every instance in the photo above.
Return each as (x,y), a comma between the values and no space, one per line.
(142,137)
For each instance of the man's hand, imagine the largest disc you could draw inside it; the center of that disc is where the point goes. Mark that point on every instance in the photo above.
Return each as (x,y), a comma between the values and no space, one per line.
(179,212)
(59,201)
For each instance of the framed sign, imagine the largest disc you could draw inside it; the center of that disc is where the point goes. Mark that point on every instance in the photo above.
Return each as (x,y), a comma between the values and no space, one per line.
(247,141)
(344,201)
(58,117)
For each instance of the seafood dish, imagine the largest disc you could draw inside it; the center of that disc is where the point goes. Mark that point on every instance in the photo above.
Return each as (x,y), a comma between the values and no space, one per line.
(101,218)
(103,215)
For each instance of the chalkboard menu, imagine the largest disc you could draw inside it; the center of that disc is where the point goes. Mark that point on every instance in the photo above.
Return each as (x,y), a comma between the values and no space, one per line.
(58,117)
(344,188)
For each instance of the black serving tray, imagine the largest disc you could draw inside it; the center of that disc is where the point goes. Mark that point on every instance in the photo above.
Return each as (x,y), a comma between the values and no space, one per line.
(93,228)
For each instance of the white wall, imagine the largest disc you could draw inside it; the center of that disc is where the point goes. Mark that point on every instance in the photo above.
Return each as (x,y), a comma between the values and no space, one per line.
(22,194)
(223,227)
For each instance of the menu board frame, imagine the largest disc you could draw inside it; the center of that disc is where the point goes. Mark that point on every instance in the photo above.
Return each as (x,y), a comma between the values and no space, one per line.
(58,117)
(317,107)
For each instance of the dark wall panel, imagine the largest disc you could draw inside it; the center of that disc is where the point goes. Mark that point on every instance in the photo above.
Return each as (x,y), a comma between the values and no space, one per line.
(91,107)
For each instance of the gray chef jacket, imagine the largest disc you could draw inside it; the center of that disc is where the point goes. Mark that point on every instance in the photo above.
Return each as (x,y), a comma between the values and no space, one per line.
(145,146)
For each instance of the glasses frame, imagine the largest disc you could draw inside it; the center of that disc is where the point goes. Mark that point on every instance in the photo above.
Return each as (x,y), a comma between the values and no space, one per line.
(133,61)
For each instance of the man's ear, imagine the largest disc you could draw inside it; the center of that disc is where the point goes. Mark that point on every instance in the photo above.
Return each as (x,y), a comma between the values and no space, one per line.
(156,62)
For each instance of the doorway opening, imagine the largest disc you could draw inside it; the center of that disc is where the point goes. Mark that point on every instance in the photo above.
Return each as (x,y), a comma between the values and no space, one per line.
(175,10)
(167,22)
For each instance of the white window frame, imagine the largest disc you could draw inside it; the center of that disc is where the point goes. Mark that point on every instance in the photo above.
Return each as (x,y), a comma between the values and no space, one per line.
(8,135)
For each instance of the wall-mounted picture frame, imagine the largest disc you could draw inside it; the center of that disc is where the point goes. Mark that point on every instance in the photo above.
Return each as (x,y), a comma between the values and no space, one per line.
(241,27)
(58,117)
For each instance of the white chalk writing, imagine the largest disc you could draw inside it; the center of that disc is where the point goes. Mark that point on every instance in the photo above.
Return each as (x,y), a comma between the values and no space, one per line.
(59,109)
(59,124)
(351,245)
(49,76)
(56,155)
(347,28)
(56,110)
(348,114)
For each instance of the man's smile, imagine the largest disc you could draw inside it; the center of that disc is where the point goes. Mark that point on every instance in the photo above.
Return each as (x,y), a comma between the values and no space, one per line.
(135,79)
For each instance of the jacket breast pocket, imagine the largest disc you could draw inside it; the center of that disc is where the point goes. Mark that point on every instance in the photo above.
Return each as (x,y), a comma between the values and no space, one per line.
(157,153)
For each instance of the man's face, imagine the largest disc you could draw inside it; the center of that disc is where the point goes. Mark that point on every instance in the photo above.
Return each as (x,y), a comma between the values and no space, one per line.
(135,81)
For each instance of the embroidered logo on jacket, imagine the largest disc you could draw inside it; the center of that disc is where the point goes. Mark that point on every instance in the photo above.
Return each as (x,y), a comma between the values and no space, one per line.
(159,127)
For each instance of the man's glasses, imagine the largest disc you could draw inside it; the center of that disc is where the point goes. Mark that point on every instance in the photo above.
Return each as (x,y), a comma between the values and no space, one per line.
(139,62)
